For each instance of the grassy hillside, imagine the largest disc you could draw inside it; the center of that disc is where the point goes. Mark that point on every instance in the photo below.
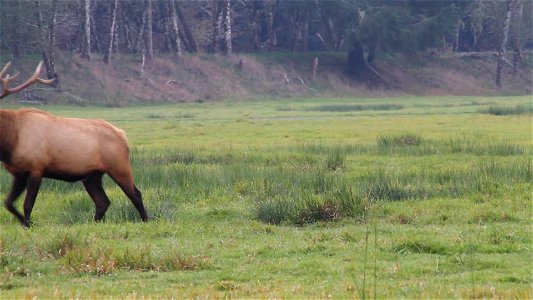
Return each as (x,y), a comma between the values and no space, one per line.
(203,77)
(412,197)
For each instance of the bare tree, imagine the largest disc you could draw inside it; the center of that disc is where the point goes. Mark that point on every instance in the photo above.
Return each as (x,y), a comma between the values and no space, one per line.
(515,39)
(175,26)
(187,36)
(149,31)
(126,31)
(217,26)
(271,42)
(505,34)
(253,15)
(47,44)
(227,26)
(86,48)
(107,56)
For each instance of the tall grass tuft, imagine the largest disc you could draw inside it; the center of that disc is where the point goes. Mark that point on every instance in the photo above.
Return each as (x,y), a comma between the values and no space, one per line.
(406,139)
(335,161)
(506,110)
(314,208)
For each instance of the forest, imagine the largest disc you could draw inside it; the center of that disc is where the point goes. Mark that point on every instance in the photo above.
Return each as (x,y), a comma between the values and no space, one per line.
(365,30)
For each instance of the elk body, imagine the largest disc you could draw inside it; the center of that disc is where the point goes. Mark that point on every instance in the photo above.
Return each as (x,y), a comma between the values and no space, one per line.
(35,145)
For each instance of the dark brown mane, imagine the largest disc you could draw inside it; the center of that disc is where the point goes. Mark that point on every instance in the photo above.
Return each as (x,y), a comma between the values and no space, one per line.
(8,134)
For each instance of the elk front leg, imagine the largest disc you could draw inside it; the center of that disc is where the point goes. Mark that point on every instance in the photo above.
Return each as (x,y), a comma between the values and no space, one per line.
(19,184)
(93,185)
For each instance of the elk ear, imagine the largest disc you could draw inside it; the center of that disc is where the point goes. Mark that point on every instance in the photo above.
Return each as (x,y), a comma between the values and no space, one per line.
(5,79)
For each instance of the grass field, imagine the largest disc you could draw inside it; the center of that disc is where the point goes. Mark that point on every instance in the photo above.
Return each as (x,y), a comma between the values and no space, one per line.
(310,198)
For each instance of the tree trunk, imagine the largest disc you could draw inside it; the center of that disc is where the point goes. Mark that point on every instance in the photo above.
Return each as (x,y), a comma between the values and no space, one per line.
(227,27)
(515,41)
(127,35)
(457,34)
(107,56)
(166,20)
(95,40)
(372,49)
(47,45)
(356,65)
(51,69)
(140,44)
(149,41)
(255,41)
(86,48)
(271,42)
(187,33)
(305,31)
(295,24)
(217,26)
(174,17)
(505,35)
(15,40)
(334,36)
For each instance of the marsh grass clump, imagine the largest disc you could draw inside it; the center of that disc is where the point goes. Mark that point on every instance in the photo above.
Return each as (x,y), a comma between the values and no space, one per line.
(507,110)
(320,197)
(275,210)
(387,186)
(334,161)
(304,209)
(406,139)
(314,208)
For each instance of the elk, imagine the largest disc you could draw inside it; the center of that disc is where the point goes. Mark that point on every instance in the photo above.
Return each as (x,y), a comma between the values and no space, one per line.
(35,144)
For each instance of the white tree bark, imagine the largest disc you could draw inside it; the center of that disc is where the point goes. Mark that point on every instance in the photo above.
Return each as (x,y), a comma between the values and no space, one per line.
(176,27)
(227,27)
(517,51)
(107,57)
(271,42)
(150,50)
(87,49)
(505,35)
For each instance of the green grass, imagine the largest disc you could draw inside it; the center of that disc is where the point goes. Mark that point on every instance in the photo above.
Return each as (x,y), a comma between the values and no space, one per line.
(277,199)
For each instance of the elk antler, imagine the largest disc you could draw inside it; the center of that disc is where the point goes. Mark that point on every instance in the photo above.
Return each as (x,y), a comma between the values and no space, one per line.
(33,79)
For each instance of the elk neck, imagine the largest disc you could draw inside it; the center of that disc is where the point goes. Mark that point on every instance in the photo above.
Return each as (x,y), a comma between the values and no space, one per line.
(8,133)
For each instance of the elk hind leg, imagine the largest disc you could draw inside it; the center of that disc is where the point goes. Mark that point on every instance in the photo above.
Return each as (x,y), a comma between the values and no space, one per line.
(93,186)
(125,182)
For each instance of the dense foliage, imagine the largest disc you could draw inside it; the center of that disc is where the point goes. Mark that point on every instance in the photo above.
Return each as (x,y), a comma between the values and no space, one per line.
(257,25)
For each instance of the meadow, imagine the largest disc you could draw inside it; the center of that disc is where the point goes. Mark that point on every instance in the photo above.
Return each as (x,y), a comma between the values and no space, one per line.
(410,197)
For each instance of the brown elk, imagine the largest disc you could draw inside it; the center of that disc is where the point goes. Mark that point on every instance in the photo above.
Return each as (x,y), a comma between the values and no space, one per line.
(35,144)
